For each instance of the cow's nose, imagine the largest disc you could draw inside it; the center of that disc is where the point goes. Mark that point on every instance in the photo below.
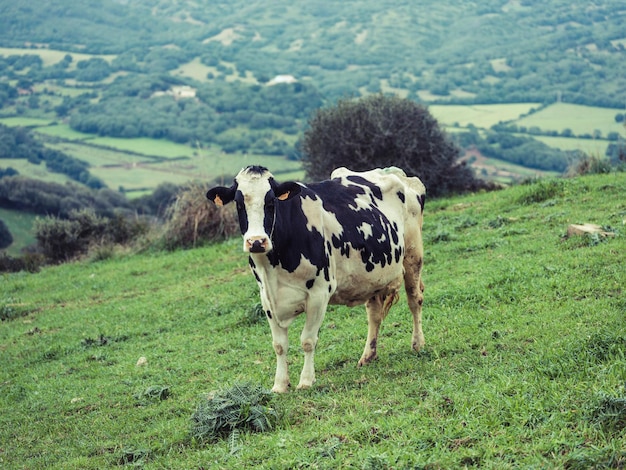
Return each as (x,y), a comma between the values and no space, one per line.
(257,244)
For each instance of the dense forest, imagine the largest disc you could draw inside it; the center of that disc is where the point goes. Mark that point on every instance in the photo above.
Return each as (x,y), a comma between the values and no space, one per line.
(492,51)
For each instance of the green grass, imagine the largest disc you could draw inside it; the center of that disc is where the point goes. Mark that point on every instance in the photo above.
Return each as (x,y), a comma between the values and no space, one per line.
(524,367)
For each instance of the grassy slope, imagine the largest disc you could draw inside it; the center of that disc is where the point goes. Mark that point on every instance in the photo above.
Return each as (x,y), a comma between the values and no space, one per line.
(524,330)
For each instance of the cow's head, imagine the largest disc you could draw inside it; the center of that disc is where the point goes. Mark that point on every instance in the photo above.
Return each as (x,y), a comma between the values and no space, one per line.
(256,193)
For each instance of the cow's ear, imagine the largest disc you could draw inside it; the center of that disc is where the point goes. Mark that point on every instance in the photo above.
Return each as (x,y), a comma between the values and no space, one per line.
(286,191)
(221,195)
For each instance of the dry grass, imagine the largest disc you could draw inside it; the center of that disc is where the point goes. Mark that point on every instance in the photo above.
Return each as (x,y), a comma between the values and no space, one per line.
(192,219)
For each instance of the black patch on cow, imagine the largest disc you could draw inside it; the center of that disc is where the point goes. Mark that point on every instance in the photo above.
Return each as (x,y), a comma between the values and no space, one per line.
(310,283)
(256,169)
(256,276)
(421,198)
(292,239)
(251,262)
(398,253)
(376,191)
(401,195)
(269,314)
(241,212)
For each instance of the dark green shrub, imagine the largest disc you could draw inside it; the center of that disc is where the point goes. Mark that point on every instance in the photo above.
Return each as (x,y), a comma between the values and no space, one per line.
(382,131)
(30,262)
(59,239)
(64,239)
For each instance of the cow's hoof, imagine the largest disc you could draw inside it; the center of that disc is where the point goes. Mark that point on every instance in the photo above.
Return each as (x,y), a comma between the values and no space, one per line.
(305,383)
(418,344)
(366,360)
(279,388)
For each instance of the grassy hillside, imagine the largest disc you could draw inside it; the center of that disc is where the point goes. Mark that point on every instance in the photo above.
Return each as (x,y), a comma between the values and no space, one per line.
(524,365)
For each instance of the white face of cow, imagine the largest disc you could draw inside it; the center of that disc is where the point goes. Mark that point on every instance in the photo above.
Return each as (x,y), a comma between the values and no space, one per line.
(256,209)
(256,194)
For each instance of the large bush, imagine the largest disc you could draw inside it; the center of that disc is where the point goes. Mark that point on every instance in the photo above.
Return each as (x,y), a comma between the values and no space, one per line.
(380,131)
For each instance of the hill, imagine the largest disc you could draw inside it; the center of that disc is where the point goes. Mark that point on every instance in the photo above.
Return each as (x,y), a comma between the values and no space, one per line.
(495,51)
(242,78)
(524,364)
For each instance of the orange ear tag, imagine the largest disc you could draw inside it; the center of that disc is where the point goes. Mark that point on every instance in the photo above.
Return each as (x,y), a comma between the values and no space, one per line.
(283,196)
(218,201)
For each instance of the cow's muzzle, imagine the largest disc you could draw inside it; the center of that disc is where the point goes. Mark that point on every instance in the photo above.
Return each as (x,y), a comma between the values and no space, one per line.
(257,245)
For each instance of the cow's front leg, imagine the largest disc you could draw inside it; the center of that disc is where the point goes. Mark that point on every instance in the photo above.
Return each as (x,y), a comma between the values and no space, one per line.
(308,338)
(280,341)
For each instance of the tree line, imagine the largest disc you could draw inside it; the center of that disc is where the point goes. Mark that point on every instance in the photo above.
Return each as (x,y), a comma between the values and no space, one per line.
(19,143)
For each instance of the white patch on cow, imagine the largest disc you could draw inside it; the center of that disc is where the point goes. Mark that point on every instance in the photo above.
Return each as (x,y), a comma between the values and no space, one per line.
(318,218)
(366,230)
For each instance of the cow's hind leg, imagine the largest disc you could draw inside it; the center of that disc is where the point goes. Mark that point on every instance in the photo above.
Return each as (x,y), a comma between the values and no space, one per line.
(377,309)
(415,296)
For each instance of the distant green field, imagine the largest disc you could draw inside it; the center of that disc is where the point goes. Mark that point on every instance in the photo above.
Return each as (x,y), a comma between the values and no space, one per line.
(589,146)
(63,131)
(50,57)
(97,156)
(20,225)
(580,119)
(146,146)
(19,121)
(138,177)
(480,115)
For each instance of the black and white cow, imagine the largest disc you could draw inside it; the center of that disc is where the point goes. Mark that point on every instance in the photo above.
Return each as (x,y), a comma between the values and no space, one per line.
(349,240)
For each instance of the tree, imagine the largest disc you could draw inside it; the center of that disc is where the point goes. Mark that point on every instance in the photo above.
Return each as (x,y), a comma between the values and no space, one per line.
(380,131)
